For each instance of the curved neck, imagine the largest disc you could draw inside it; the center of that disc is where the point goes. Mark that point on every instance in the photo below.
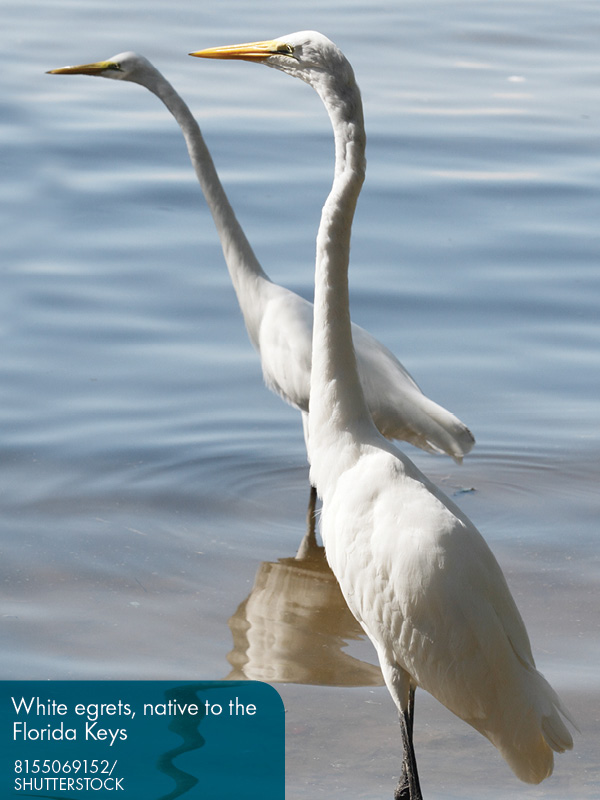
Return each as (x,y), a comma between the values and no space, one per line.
(244,268)
(337,403)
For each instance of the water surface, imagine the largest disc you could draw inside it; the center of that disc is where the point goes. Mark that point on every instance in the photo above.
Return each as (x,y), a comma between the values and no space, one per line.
(154,492)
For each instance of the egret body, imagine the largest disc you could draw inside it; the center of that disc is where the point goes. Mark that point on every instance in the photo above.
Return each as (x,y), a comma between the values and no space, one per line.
(413,568)
(279,322)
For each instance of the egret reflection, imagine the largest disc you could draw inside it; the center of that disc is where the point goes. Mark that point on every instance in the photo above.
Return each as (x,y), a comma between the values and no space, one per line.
(294,625)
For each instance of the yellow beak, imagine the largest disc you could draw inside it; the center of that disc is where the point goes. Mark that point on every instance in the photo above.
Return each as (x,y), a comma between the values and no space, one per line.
(254,51)
(84,69)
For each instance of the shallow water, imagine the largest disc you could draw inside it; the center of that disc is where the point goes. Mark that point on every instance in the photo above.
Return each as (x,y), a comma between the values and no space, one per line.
(153,491)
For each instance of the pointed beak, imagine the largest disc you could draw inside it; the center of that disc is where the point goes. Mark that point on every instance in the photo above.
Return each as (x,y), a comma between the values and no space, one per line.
(254,51)
(84,69)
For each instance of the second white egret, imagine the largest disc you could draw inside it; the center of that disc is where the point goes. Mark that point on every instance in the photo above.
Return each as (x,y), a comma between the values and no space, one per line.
(279,322)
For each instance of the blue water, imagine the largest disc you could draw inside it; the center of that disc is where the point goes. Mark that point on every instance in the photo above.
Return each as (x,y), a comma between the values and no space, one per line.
(150,484)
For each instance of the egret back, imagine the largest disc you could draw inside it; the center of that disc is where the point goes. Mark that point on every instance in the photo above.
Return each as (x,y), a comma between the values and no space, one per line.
(434,601)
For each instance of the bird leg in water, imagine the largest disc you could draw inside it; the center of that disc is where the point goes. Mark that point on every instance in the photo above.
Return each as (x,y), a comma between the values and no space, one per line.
(310,513)
(308,544)
(408,786)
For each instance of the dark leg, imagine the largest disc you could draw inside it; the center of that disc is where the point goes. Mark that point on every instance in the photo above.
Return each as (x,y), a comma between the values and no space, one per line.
(309,542)
(408,786)
(411,711)
(310,513)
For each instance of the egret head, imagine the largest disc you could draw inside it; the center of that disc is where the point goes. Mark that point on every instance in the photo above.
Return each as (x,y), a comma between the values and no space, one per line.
(307,55)
(122,67)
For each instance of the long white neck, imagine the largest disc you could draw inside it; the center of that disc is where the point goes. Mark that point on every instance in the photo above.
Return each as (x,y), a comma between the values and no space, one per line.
(246,273)
(338,412)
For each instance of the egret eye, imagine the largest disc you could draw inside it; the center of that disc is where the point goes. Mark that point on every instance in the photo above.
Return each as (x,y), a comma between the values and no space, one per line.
(285,50)
(114,65)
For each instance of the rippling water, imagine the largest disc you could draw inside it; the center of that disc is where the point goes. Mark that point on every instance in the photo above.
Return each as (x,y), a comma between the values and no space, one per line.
(154,492)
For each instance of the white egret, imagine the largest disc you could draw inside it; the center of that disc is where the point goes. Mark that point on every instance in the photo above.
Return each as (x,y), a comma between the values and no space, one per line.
(278,321)
(413,568)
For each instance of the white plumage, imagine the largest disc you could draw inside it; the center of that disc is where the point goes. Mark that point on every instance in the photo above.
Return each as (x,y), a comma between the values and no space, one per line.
(279,322)
(413,568)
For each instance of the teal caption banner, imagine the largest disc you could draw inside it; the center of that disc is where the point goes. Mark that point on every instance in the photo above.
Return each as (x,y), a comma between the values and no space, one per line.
(141,740)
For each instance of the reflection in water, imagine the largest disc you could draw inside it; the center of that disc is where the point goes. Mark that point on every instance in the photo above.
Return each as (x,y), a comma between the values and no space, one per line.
(294,624)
